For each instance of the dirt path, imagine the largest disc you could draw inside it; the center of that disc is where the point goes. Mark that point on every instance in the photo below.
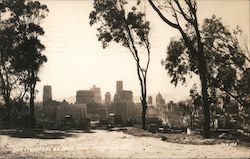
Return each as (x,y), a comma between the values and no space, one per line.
(104,144)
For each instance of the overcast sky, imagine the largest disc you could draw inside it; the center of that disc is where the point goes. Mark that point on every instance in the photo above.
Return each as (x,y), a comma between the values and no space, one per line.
(76,59)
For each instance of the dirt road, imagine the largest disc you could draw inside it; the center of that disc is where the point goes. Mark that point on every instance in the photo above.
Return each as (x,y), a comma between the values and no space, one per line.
(105,144)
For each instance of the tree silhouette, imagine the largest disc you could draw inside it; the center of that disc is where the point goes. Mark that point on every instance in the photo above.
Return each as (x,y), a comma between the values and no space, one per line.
(24,50)
(186,12)
(8,76)
(29,56)
(130,29)
(227,62)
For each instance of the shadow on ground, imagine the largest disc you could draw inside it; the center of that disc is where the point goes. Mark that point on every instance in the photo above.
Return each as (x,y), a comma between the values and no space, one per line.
(42,134)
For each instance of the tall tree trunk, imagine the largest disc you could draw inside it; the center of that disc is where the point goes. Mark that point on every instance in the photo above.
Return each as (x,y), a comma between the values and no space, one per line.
(6,96)
(31,122)
(202,66)
(142,79)
(32,109)
(32,95)
(143,82)
(7,101)
(8,105)
(205,103)
(144,111)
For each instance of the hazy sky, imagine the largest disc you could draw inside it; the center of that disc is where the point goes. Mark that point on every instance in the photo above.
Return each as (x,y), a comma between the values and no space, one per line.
(76,59)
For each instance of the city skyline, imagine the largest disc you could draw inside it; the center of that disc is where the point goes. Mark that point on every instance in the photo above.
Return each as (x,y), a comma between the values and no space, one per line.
(76,59)
(48,94)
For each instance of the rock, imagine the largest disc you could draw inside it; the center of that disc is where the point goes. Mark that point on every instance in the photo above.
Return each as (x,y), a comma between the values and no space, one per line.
(222,135)
(225,136)
(163,138)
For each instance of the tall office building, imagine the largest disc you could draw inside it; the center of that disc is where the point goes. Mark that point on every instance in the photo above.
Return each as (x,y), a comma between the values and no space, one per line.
(123,104)
(150,100)
(119,86)
(85,96)
(97,93)
(107,98)
(47,93)
(159,101)
(127,96)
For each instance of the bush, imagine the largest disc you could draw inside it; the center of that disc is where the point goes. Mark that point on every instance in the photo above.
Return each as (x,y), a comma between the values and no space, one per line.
(27,121)
(84,124)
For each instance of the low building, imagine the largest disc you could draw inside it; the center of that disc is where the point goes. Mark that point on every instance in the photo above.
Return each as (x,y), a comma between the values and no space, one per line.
(50,109)
(78,111)
(55,112)
(152,112)
(150,100)
(102,112)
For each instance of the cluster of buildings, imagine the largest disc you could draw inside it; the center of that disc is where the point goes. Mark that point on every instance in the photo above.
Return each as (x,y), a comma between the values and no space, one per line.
(88,104)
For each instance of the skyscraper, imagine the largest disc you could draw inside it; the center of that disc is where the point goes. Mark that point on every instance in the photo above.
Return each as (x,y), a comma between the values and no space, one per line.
(127,96)
(47,93)
(97,93)
(123,101)
(159,101)
(85,96)
(107,98)
(119,86)
(150,100)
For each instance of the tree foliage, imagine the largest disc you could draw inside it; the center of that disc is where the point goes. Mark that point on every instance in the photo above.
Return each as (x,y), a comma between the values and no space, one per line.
(21,49)
(130,29)
(227,62)
(117,25)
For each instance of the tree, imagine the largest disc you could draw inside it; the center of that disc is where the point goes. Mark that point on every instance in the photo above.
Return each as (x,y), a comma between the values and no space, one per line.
(21,51)
(8,76)
(131,30)
(186,12)
(227,65)
(227,62)
(29,57)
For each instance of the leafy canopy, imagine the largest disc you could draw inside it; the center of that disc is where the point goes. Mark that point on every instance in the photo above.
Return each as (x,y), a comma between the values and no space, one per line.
(117,25)
(226,60)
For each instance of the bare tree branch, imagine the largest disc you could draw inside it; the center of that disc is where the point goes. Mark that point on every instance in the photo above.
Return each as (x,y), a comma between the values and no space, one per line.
(162,16)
